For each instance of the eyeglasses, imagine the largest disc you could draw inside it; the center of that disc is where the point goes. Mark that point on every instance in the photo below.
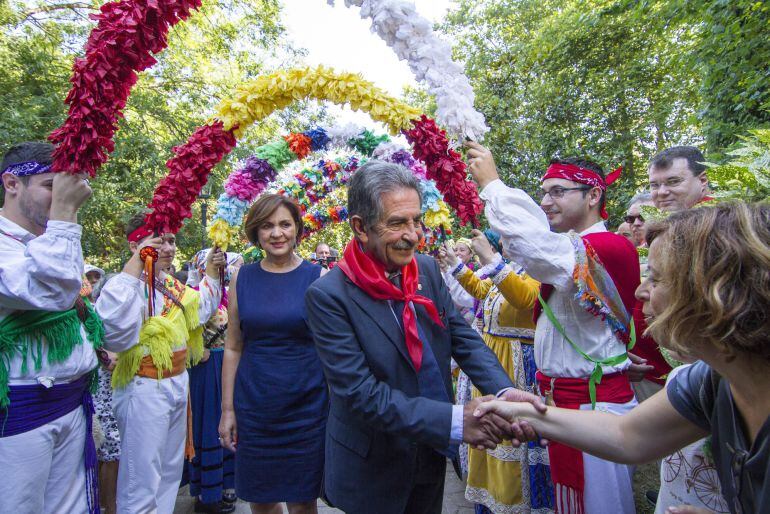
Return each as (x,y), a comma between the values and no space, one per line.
(631,218)
(558,191)
(670,183)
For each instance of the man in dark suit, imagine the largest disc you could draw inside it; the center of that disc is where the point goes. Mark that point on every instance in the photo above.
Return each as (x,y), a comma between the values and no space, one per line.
(385,328)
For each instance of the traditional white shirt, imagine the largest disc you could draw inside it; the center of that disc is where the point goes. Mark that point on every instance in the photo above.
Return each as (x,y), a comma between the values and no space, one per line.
(43,273)
(123,309)
(460,296)
(549,258)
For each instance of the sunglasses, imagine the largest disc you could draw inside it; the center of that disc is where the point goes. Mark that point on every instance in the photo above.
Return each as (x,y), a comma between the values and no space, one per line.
(630,219)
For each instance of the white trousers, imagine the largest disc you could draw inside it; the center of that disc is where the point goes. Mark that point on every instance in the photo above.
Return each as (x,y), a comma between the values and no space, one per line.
(152,420)
(609,487)
(43,469)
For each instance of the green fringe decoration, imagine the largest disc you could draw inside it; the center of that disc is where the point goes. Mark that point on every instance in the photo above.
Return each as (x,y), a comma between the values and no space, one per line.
(24,334)
(157,338)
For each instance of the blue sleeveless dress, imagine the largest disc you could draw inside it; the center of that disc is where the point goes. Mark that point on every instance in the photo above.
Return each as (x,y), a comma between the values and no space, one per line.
(280,398)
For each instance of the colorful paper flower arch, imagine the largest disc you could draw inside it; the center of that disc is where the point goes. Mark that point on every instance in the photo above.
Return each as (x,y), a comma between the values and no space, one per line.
(189,169)
(312,183)
(129,32)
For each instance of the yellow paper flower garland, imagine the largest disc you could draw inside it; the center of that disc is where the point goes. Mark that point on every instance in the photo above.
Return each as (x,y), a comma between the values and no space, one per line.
(258,99)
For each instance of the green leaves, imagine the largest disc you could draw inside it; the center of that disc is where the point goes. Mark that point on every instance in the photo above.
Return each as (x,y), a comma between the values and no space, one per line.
(615,81)
(746,175)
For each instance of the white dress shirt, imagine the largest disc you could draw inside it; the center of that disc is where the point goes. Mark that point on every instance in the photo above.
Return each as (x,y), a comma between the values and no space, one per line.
(549,257)
(43,273)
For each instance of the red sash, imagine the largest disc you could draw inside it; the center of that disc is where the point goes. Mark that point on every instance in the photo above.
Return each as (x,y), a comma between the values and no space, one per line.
(567,462)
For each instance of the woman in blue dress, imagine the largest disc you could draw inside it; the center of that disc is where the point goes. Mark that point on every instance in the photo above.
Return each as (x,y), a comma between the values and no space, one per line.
(274,396)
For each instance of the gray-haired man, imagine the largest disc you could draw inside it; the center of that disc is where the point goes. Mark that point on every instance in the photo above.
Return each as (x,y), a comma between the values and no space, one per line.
(385,329)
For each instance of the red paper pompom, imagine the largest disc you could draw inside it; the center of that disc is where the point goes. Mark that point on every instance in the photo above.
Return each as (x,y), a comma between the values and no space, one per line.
(188,173)
(446,167)
(127,33)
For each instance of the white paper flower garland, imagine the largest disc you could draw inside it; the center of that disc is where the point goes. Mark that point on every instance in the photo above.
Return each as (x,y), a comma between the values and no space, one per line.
(411,36)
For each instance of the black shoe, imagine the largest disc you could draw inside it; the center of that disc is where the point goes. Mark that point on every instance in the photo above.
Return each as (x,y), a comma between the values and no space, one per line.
(652,497)
(214,508)
(229,497)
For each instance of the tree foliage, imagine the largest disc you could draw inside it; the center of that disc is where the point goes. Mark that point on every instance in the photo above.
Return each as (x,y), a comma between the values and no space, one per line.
(614,81)
(732,59)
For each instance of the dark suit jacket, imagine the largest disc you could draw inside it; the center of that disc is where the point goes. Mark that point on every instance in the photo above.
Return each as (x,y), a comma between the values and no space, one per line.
(377,417)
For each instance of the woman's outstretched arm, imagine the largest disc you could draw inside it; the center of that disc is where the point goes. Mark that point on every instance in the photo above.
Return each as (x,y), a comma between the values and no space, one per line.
(650,431)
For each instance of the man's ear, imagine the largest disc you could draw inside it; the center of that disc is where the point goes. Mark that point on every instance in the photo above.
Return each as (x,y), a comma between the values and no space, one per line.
(358,227)
(11,183)
(595,197)
(133,246)
(704,181)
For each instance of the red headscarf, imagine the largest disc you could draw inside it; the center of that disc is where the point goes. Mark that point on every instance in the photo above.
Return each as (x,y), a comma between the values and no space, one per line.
(369,275)
(139,234)
(582,176)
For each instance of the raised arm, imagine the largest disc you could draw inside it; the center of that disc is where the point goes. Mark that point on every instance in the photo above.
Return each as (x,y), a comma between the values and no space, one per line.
(547,257)
(527,239)
(455,271)
(518,290)
(649,432)
(460,296)
(48,275)
(210,287)
(476,287)
(122,307)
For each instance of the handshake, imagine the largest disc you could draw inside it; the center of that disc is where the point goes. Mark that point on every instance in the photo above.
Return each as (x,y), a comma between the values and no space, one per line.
(485,428)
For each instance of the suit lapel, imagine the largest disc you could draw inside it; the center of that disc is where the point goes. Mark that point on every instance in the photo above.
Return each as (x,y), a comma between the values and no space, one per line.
(379,311)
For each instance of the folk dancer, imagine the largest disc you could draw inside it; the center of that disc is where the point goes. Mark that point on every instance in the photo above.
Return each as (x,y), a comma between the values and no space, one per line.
(584,324)
(506,479)
(48,336)
(150,379)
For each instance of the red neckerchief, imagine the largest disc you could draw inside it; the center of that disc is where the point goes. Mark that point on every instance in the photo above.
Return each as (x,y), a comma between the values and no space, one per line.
(369,275)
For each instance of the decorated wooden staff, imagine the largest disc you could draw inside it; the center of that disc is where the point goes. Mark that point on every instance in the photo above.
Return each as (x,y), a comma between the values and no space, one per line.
(149,256)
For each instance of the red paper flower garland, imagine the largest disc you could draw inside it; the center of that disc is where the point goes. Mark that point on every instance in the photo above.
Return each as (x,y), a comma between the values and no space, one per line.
(188,173)
(445,166)
(122,44)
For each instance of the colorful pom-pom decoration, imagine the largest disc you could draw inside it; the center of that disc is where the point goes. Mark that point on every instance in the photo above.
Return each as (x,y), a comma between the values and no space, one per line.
(312,184)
